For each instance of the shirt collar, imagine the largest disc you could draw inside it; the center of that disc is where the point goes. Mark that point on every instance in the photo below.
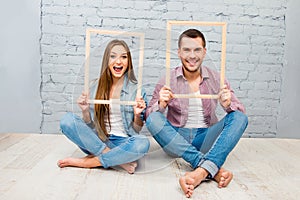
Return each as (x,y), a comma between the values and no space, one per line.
(204,72)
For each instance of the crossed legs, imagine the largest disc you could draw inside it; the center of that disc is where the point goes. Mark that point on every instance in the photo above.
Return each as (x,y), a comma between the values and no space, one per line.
(116,151)
(207,152)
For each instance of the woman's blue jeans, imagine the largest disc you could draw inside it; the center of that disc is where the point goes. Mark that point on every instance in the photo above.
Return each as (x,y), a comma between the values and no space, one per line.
(201,147)
(123,149)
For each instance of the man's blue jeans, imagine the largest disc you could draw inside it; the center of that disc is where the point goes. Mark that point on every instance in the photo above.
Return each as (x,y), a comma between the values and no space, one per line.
(201,147)
(123,149)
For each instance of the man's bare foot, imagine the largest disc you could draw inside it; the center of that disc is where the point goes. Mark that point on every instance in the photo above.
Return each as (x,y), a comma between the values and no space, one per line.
(85,162)
(187,185)
(129,167)
(191,180)
(223,177)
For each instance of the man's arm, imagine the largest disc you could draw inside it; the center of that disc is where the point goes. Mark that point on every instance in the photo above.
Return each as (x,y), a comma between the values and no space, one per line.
(228,100)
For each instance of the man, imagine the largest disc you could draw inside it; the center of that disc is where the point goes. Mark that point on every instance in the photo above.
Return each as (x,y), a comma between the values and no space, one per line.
(190,129)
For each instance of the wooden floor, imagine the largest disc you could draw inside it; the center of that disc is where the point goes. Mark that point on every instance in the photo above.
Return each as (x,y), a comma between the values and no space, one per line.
(263,169)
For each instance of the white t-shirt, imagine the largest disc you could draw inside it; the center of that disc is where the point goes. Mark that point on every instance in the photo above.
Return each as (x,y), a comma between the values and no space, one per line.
(117,127)
(195,113)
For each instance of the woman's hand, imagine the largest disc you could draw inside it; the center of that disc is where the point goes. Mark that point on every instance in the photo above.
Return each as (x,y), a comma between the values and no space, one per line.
(139,107)
(82,102)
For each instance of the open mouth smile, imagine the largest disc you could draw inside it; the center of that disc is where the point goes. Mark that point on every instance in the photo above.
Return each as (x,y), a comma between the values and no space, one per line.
(118,69)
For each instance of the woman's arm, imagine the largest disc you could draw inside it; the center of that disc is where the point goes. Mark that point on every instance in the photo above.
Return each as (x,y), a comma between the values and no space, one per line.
(138,109)
(82,102)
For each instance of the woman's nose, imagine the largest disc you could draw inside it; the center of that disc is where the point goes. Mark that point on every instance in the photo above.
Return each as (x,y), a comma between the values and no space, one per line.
(118,60)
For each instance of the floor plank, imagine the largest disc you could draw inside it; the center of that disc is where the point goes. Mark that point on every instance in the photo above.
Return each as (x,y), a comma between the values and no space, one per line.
(263,169)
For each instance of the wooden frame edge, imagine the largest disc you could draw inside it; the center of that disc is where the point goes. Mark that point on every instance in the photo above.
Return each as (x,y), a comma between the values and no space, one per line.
(223,54)
(87,63)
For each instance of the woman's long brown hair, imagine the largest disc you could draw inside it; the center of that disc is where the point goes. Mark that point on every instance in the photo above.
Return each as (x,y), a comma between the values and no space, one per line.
(105,84)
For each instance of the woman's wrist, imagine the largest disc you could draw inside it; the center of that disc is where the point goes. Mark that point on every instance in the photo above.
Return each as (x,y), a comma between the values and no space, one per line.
(86,116)
(137,119)
(137,116)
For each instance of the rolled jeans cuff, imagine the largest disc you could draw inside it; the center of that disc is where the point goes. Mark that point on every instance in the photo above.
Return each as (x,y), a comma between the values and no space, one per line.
(104,165)
(99,155)
(210,167)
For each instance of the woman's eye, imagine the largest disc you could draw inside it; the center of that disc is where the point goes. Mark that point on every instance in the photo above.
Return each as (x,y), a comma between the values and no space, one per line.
(124,57)
(112,56)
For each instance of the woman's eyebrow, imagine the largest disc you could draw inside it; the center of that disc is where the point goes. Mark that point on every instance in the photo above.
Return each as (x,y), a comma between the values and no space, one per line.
(125,53)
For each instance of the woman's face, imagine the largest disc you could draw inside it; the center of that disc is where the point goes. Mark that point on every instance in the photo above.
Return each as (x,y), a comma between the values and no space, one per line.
(118,61)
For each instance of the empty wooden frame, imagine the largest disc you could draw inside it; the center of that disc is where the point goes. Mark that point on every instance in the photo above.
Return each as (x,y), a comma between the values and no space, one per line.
(87,63)
(223,55)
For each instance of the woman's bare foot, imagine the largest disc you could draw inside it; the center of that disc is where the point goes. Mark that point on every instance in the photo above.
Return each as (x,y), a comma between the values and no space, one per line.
(129,167)
(191,180)
(85,162)
(223,177)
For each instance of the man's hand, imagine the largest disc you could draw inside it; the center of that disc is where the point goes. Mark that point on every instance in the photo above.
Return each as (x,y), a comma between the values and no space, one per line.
(225,97)
(165,95)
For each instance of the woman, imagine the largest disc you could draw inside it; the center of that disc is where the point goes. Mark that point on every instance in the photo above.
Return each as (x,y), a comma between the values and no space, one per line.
(109,138)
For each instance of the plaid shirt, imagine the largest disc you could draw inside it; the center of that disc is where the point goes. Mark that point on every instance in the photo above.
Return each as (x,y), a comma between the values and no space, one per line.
(177,110)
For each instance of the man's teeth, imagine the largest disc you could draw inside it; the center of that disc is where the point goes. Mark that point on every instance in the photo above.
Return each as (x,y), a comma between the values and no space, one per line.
(192,61)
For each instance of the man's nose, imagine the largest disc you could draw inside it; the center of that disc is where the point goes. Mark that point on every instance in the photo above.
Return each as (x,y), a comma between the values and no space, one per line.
(192,54)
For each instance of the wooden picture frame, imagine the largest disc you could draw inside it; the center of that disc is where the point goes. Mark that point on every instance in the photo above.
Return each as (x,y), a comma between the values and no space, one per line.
(223,54)
(87,63)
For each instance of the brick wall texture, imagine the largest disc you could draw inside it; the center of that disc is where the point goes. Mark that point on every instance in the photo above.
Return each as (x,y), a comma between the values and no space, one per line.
(254,51)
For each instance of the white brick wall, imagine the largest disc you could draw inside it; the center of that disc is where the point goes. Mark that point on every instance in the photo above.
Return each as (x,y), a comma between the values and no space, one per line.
(255,48)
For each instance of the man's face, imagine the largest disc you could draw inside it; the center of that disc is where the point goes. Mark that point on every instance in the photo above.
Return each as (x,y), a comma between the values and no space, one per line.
(191,53)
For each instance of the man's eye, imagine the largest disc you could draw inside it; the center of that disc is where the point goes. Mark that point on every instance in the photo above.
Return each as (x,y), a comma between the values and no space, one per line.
(198,50)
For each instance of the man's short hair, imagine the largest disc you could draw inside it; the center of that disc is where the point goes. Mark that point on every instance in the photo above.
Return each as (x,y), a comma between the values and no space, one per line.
(192,33)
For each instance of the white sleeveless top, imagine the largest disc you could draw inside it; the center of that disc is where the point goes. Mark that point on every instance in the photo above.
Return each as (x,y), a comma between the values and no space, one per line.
(195,113)
(117,127)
